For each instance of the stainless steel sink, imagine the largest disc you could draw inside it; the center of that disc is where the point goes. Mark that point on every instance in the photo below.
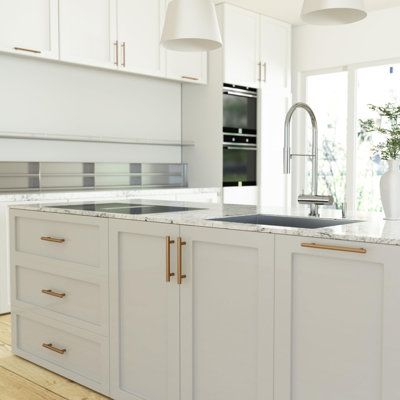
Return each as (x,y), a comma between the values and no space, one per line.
(286,221)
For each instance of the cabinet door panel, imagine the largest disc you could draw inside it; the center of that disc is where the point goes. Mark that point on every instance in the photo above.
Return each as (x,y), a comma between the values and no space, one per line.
(29,27)
(188,67)
(88,31)
(241,46)
(139,27)
(226,315)
(275,53)
(335,322)
(144,313)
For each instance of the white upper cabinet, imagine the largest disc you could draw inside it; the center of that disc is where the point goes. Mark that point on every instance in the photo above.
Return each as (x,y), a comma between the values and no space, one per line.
(188,67)
(240,31)
(116,34)
(88,32)
(185,66)
(139,32)
(256,48)
(29,27)
(275,50)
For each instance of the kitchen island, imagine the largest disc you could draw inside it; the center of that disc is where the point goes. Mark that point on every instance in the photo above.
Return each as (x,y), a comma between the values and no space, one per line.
(176,305)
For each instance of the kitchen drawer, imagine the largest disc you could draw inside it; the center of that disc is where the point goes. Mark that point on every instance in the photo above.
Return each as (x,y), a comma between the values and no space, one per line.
(74,239)
(74,353)
(86,302)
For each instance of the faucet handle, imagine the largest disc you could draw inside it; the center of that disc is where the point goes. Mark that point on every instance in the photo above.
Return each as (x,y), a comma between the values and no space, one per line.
(315,199)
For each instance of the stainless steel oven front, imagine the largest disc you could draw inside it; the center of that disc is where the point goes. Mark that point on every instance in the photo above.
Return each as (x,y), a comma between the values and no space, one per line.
(240,136)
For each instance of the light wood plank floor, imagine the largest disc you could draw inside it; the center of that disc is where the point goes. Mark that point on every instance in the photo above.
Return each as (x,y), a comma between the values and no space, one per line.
(22,380)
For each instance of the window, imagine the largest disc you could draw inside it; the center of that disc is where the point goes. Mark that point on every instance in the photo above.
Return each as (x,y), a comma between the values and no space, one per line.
(327,96)
(348,169)
(379,86)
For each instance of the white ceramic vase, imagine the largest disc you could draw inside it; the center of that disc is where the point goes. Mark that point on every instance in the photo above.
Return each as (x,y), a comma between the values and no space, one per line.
(390,191)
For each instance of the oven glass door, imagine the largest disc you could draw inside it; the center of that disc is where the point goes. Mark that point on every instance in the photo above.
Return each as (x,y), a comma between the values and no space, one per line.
(240,166)
(240,112)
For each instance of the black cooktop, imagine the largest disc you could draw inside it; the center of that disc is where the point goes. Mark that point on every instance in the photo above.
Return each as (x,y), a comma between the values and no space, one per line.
(126,208)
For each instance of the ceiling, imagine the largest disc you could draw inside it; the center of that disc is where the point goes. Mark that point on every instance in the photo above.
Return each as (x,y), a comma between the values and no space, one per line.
(289,10)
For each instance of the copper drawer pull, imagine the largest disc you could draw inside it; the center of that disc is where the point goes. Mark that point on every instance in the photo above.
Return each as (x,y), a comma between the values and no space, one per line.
(52,348)
(52,239)
(180,276)
(27,50)
(123,47)
(168,272)
(192,78)
(116,62)
(359,250)
(52,293)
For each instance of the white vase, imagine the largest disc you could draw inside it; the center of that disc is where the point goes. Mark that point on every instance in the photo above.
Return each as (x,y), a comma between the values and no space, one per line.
(390,191)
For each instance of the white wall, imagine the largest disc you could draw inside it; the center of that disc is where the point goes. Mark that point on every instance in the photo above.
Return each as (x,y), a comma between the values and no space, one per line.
(375,38)
(202,109)
(38,96)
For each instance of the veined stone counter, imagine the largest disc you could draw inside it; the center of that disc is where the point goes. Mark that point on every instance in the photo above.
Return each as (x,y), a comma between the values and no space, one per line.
(372,227)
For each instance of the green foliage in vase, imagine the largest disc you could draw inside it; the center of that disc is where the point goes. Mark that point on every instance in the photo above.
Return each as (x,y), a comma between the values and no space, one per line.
(387,124)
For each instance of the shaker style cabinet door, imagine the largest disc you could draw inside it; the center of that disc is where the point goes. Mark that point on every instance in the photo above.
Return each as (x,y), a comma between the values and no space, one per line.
(186,66)
(88,32)
(275,45)
(240,31)
(29,27)
(227,307)
(144,311)
(139,32)
(337,320)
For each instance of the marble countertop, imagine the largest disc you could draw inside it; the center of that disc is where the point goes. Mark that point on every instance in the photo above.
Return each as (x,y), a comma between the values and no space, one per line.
(372,227)
(98,195)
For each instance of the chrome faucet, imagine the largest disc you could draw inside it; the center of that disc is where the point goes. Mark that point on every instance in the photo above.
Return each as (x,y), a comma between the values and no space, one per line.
(314,200)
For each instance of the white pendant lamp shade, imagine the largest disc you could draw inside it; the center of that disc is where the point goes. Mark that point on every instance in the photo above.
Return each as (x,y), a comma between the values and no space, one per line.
(333,12)
(191,25)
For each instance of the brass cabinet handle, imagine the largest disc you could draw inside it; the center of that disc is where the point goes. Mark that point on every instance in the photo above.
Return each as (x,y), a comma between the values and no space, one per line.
(180,277)
(192,78)
(359,250)
(53,293)
(265,71)
(123,47)
(116,62)
(168,272)
(52,239)
(27,50)
(52,348)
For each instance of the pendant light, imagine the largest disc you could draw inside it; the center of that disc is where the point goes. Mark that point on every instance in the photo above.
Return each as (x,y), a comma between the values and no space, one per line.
(191,25)
(333,12)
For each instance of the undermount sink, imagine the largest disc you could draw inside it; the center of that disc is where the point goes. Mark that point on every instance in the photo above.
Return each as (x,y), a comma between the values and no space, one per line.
(286,221)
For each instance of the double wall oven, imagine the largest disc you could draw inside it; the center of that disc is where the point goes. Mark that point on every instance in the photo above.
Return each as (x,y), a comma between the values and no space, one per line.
(240,136)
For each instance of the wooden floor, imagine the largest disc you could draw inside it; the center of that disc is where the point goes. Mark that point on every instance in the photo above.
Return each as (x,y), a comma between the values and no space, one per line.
(22,380)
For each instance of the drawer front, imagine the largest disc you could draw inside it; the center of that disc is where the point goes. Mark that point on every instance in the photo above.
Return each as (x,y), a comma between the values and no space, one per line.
(67,296)
(70,352)
(67,238)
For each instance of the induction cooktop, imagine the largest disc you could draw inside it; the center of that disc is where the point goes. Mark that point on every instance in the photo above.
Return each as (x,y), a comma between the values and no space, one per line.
(126,208)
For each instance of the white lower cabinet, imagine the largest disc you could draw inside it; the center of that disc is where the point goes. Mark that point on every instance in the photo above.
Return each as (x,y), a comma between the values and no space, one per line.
(211,337)
(205,313)
(337,323)
(144,312)
(227,315)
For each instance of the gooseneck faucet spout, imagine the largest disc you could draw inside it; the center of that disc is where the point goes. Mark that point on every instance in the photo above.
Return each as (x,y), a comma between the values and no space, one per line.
(314,200)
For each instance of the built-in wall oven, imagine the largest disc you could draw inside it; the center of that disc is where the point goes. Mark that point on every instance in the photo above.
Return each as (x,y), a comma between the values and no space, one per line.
(240,136)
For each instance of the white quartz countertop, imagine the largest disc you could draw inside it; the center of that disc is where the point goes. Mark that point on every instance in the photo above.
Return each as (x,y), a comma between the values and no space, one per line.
(98,195)
(372,228)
